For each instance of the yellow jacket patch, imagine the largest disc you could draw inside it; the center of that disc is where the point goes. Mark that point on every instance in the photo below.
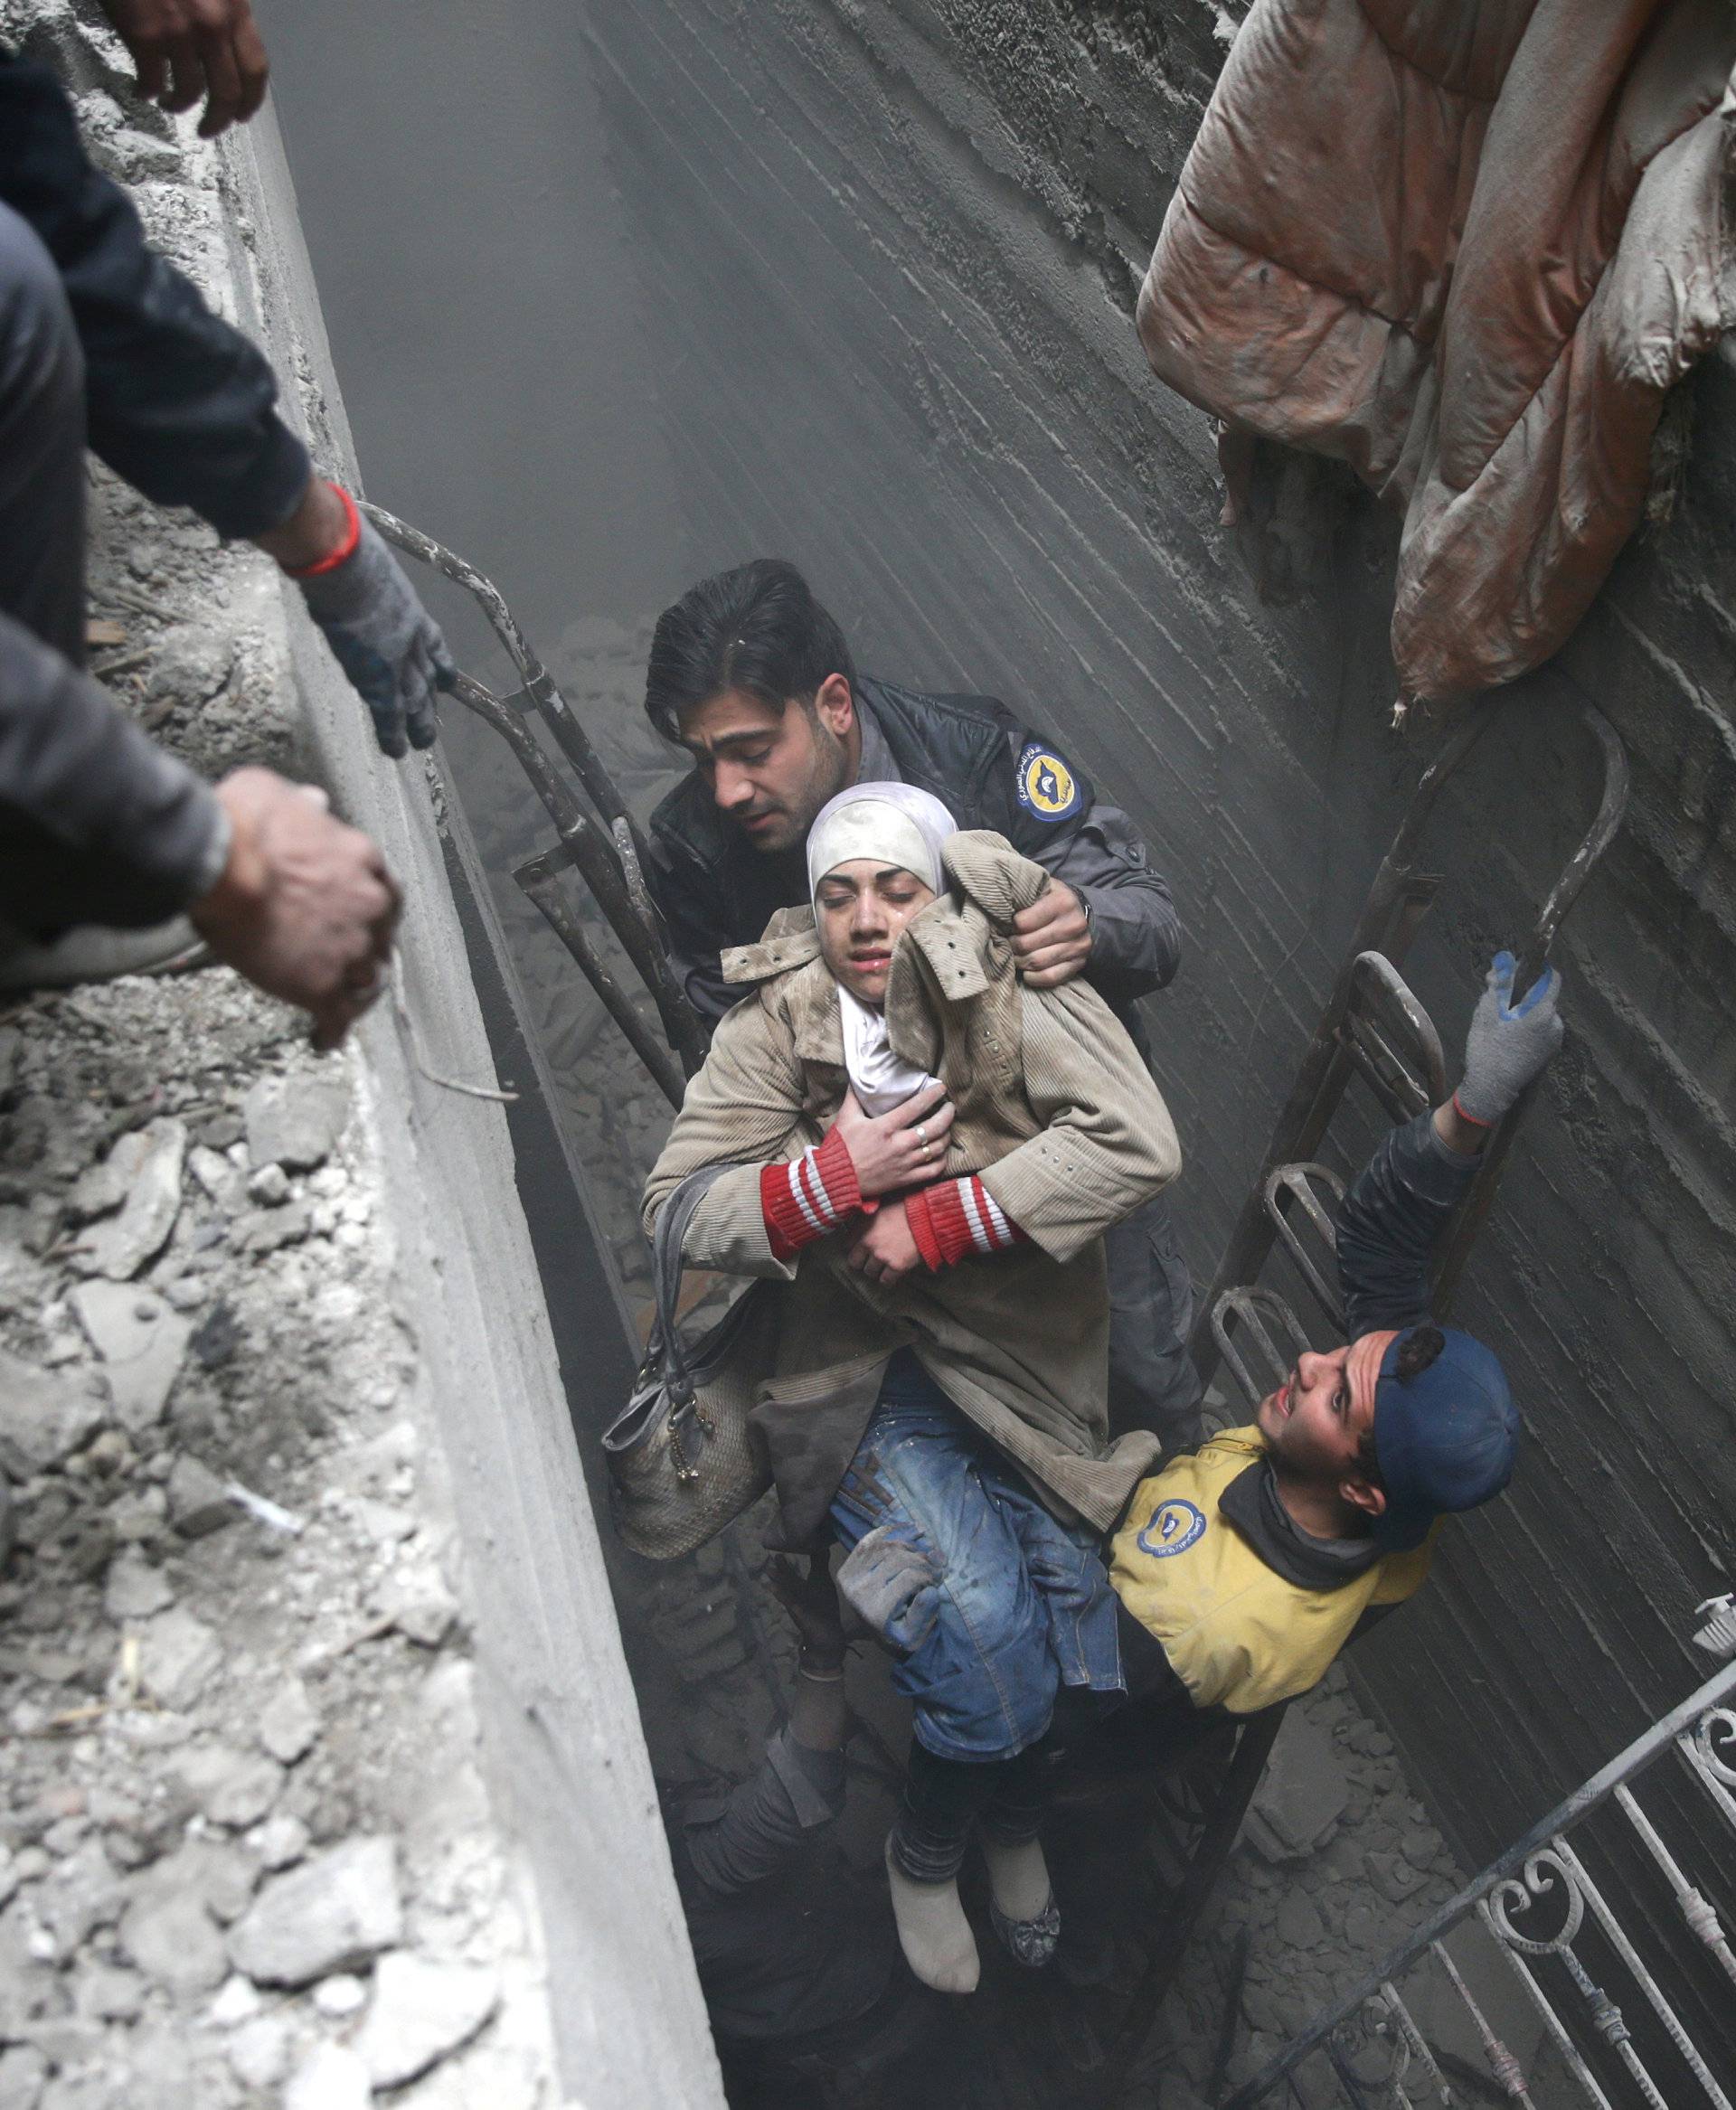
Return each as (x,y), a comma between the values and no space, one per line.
(1237,1633)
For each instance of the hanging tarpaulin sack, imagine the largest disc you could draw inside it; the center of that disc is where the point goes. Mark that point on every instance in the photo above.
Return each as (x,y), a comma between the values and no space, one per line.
(683,1457)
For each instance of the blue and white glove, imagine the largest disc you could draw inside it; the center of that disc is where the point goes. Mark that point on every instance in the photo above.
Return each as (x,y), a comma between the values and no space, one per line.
(1510,1045)
(383,637)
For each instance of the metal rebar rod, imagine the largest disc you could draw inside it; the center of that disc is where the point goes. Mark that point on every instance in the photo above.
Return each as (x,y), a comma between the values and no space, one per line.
(562,807)
(543,887)
(682,1023)
(601,871)
(539,684)
(618,889)
(1508,2073)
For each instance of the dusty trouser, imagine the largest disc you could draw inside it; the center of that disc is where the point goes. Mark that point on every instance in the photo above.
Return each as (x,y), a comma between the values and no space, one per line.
(1153,1383)
(42,562)
(41,445)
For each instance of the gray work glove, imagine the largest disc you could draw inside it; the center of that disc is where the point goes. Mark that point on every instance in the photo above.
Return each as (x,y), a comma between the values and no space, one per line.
(889,1584)
(385,640)
(1510,1045)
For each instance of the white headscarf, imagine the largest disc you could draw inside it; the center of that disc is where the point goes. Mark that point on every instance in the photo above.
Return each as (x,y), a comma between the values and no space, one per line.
(899,825)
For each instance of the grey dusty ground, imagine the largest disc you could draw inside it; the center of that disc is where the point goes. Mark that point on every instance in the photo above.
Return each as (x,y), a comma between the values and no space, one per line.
(246,1855)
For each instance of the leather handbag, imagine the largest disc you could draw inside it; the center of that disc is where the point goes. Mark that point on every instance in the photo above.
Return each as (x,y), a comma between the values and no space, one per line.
(682,1459)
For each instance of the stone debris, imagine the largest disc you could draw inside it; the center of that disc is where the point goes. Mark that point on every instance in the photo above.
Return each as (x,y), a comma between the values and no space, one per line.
(290,1723)
(150,1162)
(418,1603)
(198,1502)
(420,2012)
(294,1122)
(333,1914)
(48,1416)
(281,1842)
(1303,1794)
(259,2051)
(328,2078)
(179,1657)
(173,1939)
(340,1997)
(142,1341)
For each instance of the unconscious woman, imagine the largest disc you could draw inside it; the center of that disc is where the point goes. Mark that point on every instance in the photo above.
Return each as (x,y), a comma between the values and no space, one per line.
(928,1151)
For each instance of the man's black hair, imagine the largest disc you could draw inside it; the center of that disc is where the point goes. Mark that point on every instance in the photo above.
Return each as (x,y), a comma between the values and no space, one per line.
(1417,1351)
(757,627)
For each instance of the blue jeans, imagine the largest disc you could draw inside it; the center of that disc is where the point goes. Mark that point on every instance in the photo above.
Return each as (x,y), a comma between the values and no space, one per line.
(1019,1603)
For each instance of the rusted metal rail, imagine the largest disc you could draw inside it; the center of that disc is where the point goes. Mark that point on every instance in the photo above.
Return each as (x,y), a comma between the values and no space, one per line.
(1373,1027)
(609,859)
(1556,1975)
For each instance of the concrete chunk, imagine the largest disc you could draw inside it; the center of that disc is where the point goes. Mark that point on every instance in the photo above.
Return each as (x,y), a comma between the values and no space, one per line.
(421,2012)
(150,1160)
(290,1724)
(179,1658)
(197,1502)
(328,2078)
(294,1122)
(141,1340)
(333,1914)
(1302,1795)
(173,1939)
(48,1415)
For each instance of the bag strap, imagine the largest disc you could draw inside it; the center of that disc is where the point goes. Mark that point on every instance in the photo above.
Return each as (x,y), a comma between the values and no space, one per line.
(668,1265)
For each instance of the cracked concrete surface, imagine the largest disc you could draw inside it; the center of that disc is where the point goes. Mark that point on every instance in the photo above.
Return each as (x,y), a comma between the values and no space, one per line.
(253,1848)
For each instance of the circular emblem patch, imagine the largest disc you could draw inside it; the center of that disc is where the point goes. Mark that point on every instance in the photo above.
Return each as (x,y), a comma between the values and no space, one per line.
(1174,1526)
(1047,787)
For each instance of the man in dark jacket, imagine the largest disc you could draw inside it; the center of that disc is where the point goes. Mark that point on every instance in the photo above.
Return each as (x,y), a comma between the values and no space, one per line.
(752,676)
(103,343)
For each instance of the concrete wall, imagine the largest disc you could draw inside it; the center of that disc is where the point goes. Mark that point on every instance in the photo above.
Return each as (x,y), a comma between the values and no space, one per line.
(890,248)
(558,1709)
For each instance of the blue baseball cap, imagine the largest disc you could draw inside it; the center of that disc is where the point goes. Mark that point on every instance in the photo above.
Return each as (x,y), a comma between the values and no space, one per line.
(1446,1438)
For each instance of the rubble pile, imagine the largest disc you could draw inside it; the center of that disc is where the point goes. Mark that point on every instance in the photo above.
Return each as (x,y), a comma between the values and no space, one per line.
(246,1853)
(244,1837)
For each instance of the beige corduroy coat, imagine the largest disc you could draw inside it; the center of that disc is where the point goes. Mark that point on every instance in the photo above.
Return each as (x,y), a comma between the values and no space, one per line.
(1055,1111)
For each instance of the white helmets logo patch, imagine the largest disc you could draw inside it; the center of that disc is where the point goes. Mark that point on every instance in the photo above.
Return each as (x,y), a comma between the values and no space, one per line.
(1047,787)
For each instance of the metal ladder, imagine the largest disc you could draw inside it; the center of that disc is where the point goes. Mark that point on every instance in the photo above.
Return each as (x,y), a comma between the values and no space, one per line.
(1374,1029)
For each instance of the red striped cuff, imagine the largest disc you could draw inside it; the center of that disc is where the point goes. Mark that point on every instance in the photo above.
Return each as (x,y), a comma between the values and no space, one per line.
(804,1199)
(957,1218)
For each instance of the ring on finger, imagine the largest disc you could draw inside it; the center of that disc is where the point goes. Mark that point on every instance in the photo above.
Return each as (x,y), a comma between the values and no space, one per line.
(923,1134)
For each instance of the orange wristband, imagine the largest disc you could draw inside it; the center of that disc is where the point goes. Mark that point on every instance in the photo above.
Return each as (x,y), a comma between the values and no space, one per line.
(345,549)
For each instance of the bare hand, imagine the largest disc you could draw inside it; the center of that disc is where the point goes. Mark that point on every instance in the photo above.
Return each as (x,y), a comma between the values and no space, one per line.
(186,48)
(812,1603)
(306,909)
(887,1251)
(904,1148)
(1052,940)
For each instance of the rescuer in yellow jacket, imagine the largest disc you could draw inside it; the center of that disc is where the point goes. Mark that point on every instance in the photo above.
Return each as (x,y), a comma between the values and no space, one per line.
(1242,1568)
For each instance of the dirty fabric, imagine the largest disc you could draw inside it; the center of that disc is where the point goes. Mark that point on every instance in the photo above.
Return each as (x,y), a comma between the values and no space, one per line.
(1057,1115)
(1015,1604)
(1463,247)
